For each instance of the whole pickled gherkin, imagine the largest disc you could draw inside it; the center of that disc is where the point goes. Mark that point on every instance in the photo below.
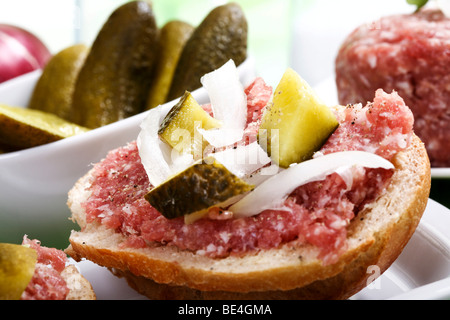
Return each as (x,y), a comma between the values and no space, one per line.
(221,36)
(116,76)
(54,90)
(173,37)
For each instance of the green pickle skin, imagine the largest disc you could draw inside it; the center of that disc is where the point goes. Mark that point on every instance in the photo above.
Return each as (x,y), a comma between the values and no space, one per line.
(198,188)
(114,81)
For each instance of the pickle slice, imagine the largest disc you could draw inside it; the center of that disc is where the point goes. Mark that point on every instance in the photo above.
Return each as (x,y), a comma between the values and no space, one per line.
(296,124)
(17,265)
(193,191)
(178,128)
(22,128)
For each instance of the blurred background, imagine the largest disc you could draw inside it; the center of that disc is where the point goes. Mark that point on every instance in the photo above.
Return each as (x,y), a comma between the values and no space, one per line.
(302,34)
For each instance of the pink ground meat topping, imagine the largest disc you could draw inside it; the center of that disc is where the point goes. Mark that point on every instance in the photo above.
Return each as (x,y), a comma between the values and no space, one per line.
(46,283)
(317,213)
(408,53)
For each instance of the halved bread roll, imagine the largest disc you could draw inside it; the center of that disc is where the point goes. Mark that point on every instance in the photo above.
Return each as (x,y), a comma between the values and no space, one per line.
(376,237)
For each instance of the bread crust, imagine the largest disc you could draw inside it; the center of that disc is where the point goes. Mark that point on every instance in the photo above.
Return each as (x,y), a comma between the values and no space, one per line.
(376,237)
(80,288)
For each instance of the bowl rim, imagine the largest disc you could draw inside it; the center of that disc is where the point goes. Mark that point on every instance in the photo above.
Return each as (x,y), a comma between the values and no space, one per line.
(246,71)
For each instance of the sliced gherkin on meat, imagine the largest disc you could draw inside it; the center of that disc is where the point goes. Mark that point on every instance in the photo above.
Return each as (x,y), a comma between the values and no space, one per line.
(178,128)
(17,264)
(296,124)
(192,192)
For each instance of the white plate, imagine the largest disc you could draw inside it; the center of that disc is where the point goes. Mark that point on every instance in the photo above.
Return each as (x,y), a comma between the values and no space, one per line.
(34,183)
(328,92)
(422,271)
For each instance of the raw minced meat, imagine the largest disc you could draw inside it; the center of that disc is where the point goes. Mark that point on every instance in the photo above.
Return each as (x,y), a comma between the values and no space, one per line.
(382,127)
(317,213)
(46,283)
(408,53)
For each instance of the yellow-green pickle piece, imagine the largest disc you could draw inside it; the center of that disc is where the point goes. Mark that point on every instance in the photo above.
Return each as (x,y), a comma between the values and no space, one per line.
(192,192)
(297,123)
(178,127)
(54,89)
(22,128)
(17,264)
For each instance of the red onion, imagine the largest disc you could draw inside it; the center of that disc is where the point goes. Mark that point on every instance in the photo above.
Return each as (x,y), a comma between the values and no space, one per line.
(20,52)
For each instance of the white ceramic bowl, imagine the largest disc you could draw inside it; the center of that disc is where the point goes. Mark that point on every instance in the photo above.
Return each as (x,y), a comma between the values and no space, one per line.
(34,183)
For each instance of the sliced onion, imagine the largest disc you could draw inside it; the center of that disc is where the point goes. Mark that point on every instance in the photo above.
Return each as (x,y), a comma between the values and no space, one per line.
(444,6)
(272,193)
(228,103)
(242,161)
(221,137)
(160,161)
(20,52)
